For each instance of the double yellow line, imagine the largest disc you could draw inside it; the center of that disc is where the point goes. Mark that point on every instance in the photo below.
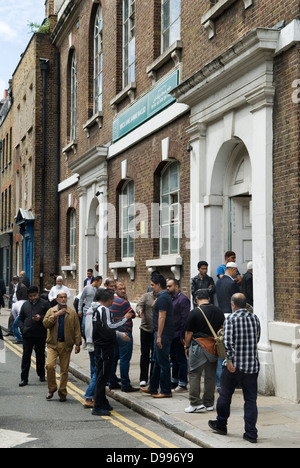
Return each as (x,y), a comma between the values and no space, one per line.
(143,435)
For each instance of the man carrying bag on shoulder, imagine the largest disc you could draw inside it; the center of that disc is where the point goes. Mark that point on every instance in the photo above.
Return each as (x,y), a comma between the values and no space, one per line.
(201,352)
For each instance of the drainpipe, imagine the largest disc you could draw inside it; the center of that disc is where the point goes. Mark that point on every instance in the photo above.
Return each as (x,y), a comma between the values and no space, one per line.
(44,65)
(57,209)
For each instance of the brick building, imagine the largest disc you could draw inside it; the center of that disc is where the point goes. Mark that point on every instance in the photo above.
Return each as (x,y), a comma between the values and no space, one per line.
(6,178)
(28,166)
(178,140)
(244,131)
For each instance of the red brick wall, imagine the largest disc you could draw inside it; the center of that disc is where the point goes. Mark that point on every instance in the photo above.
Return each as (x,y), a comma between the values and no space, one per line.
(286,188)
(29,146)
(233,24)
(144,168)
(144,158)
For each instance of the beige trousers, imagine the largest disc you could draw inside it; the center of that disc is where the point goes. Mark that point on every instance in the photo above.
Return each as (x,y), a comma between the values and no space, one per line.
(64,362)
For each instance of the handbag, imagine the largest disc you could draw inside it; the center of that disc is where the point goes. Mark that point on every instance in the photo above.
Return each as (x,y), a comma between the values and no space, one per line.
(219,341)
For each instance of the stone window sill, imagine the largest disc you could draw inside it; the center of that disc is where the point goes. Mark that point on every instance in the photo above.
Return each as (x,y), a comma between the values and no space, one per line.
(128,91)
(71,268)
(173,52)
(72,146)
(215,11)
(172,261)
(128,264)
(96,119)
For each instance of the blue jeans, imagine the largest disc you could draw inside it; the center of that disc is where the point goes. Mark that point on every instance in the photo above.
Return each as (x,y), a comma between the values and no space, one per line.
(219,372)
(229,383)
(16,330)
(85,309)
(161,374)
(123,351)
(90,391)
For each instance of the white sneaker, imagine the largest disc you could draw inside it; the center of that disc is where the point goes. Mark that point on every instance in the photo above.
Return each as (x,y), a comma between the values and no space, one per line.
(143,383)
(209,408)
(195,409)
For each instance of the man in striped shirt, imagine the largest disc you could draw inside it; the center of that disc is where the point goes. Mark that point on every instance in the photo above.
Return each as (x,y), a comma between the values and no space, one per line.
(123,349)
(241,337)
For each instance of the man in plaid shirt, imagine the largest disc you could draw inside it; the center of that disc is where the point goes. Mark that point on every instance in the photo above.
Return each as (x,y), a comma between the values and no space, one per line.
(241,336)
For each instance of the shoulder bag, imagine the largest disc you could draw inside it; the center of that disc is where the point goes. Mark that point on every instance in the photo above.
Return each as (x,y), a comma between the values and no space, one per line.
(219,343)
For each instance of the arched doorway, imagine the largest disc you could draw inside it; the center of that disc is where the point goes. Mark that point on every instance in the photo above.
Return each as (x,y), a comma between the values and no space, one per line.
(92,235)
(238,188)
(230,214)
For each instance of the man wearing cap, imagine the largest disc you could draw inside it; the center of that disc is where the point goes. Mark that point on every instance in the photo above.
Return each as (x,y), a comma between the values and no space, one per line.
(226,287)
(230,256)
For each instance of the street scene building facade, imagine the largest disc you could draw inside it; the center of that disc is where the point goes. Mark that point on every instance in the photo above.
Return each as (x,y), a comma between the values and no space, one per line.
(28,165)
(175,137)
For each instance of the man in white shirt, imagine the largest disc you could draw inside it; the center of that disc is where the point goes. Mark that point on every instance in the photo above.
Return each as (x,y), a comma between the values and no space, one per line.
(58,288)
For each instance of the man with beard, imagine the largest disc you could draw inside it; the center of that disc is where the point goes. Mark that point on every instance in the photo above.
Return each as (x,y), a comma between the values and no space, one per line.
(30,323)
(63,332)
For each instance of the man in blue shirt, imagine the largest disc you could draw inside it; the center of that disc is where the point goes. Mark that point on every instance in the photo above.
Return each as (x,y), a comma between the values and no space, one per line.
(163,325)
(230,257)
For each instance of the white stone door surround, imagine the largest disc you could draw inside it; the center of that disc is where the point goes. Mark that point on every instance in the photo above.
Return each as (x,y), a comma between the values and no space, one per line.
(231,102)
(92,170)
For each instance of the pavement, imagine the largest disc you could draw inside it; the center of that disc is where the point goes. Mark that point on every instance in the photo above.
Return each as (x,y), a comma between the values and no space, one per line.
(278,420)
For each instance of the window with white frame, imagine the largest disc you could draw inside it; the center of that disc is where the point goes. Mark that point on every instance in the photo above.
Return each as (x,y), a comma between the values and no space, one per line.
(171,22)
(72,220)
(98,61)
(128,42)
(170,219)
(73,109)
(128,220)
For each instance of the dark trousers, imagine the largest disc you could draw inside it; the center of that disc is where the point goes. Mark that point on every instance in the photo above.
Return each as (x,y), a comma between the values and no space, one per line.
(147,341)
(229,383)
(39,346)
(104,358)
(180,364)
(161,375)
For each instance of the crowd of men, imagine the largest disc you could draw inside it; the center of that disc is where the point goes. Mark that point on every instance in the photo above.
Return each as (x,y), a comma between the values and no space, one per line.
(177,343)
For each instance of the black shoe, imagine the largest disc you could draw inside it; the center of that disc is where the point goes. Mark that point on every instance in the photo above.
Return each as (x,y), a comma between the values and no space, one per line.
(43,379)
(100,412)
(130,389)
(214,426)
(23,383)
(249,439)
(114,386)
(107,407)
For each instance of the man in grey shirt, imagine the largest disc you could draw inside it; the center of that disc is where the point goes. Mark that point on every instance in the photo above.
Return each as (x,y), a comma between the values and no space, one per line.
(86,299)
(145,310)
